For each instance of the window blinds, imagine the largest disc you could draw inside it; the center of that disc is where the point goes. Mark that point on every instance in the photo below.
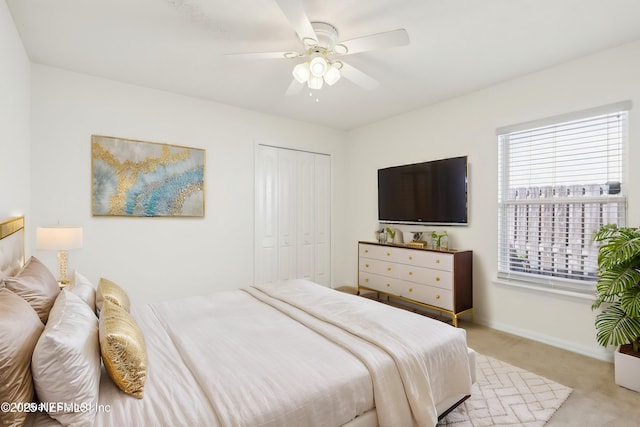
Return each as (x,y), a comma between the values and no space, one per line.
(559,183)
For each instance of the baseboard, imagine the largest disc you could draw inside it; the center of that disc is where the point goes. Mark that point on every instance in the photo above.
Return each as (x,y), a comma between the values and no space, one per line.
(600,354)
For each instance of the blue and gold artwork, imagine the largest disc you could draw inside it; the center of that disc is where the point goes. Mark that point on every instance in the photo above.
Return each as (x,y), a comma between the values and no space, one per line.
(137,178)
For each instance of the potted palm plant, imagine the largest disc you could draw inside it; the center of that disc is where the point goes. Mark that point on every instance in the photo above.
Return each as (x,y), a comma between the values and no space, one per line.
(619,290)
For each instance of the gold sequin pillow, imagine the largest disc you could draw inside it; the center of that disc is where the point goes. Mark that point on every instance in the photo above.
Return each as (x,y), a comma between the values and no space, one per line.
(123,350)
(109,291)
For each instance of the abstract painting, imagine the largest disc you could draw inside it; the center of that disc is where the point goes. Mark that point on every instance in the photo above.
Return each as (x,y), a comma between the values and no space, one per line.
(147,179)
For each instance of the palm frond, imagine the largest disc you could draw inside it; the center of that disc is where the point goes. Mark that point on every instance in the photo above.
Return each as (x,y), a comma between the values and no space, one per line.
(630,301)
(620,249)
(604,232)
(615,327)
(602,298)
(616,280)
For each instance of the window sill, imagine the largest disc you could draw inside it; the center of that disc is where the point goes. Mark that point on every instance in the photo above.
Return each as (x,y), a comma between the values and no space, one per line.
(546,289)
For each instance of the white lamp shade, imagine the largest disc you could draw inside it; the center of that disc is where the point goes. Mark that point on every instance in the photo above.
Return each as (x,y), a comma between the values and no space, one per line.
(332,75)
(318,66)
(315,82)
(301,72)
(59,238)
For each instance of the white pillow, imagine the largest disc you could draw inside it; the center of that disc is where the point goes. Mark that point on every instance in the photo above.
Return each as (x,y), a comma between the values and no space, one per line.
(36,285)
(20,328)
(82,287)
(66,361)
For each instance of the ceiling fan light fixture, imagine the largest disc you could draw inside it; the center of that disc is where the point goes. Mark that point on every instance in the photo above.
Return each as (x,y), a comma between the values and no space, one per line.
(318,66)
(315,82)
(301,72)
(332,75)
(308,42)
(340,49)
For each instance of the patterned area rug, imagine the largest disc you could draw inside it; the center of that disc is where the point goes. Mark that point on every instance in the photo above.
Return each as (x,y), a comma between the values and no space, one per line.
(505,395)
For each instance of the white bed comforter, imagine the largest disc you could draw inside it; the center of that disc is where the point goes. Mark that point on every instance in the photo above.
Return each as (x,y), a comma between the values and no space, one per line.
(290,354)
(430,364)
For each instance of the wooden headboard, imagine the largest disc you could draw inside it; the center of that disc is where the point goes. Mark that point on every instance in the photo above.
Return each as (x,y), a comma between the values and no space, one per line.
(11,246)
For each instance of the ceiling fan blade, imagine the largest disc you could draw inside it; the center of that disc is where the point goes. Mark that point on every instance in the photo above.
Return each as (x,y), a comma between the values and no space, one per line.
(377,41)
(294,88)
(358,77)
(294,11)
(263,55)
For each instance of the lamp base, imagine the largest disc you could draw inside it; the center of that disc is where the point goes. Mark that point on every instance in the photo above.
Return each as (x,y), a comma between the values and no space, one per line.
(62,268)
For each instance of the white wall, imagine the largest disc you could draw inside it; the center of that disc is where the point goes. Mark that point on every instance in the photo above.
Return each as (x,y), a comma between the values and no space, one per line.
(157,258)
(14,120)
(466,126)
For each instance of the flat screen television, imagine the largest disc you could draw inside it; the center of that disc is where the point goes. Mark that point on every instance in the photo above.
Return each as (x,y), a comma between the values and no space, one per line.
(432,192)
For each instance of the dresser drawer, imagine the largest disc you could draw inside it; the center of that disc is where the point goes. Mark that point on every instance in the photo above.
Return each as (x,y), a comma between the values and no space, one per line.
(384,253)
(425,276)
(385,268)
(436,297)
(437,260)
(429,259)
(379,283)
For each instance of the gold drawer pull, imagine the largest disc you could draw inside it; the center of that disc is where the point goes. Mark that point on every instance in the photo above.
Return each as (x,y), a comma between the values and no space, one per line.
(437,261)
(366,265)
(366,251)
(411,273)
(388,268)
(410,258)
(437,279)
(437,296)
(410,289)
(388,285)
(366,280)
(388,253)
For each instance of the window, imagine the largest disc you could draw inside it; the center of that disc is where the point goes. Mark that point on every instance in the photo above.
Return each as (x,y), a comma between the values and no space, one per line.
(559,181)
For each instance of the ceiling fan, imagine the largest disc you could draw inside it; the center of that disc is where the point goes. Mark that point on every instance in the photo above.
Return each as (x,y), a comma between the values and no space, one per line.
(320,47)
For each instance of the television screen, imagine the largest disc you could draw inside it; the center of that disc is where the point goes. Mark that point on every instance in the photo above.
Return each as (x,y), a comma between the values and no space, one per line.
(432,192)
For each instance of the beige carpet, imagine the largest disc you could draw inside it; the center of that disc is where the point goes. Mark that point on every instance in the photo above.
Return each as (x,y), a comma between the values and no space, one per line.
(505,395)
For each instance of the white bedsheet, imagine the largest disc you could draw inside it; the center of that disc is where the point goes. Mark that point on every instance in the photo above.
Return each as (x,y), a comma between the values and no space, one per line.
(254,357)
(229,360)
(430,357)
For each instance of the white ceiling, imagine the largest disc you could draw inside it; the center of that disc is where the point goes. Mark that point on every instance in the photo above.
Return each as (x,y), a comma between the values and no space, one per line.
(457,46)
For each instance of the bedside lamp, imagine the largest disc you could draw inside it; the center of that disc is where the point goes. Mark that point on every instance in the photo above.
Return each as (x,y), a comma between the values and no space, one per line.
(59,239)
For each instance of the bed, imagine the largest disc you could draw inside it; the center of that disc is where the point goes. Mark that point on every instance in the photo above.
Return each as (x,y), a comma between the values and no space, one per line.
(292,353)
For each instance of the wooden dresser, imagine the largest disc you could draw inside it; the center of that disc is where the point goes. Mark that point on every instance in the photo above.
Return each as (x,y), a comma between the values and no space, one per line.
(439,280)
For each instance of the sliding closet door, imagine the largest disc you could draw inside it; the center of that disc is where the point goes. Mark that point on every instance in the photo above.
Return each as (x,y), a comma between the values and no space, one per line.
(287,204)
(266,218)
(322,224)
(293,215)
(306,215)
